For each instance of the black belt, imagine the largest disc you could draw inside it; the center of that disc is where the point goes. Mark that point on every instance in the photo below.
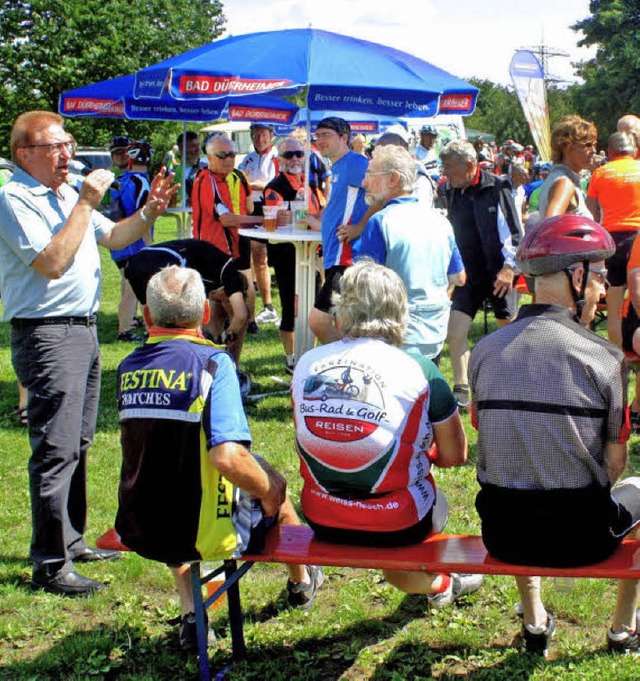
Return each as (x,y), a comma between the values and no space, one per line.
(25,322)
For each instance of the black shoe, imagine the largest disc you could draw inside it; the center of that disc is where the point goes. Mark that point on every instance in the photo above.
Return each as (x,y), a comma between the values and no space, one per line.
(188,633)
(252,328)
(90,555)
(67,584)
(129,336)
(538,644)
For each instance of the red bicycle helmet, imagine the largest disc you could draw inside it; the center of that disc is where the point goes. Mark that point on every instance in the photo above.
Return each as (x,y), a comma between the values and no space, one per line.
(558,242)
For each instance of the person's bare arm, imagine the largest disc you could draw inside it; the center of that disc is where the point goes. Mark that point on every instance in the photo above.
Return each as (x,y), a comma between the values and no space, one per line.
(231,220)
(133,227)
(458,279)
(451,442)
(53,261)
(561,197)
(594,206)
(258,478)
(504,281)
(633,284)
(312,222)
(350,232)
(615,460)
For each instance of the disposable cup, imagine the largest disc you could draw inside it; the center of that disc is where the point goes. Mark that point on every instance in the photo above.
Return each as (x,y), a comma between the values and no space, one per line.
(299,210)
(270,217)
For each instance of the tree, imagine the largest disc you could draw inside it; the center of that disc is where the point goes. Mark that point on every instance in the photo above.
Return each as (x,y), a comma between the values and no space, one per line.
(498,112)
(612,78)
(50,46)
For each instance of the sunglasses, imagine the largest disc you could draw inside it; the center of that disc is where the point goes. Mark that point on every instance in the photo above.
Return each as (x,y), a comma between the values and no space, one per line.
(222,155)
(292,154)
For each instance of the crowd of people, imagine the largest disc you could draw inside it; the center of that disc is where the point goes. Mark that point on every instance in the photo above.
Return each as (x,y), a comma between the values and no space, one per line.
(414,243)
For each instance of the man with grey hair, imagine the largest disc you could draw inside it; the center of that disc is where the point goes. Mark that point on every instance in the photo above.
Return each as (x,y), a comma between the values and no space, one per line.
(424,187)
(416,242)
(631,125)
(222,204)
(190,489)
(486,227)
(613,198)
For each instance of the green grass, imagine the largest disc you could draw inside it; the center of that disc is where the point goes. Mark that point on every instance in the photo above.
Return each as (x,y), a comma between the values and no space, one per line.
(359,628)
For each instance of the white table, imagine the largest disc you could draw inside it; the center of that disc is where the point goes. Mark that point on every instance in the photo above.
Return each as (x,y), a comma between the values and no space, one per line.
(182,214)
(305,242)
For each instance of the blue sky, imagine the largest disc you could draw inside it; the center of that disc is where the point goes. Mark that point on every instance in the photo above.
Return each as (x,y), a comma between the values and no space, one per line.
(465,37)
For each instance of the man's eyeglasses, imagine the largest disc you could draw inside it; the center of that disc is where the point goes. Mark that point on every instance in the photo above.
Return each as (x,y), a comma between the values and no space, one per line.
(55,148)
(379,172)
(222,155)
(325,134)
(292,154)
(588,145)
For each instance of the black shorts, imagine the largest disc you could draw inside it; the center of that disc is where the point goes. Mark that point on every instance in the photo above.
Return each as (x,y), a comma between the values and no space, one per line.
(617,263)
(331,285)
(556,528)
(232,280)
(243,261)
(470,297)
(411,535)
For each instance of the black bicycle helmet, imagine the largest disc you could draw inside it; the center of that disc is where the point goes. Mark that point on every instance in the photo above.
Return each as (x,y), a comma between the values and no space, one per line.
(119,142)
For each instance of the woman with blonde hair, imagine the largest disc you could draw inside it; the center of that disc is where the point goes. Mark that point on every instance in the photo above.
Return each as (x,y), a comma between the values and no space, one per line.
(573,144)
(372,420)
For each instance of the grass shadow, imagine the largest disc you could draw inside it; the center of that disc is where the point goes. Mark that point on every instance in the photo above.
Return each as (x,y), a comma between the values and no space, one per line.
(126,652)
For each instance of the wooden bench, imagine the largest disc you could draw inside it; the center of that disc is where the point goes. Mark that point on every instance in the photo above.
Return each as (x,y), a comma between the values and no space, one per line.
(297,545)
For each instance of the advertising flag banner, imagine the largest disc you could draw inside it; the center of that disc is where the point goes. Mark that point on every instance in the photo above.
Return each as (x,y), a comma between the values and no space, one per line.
(528,80)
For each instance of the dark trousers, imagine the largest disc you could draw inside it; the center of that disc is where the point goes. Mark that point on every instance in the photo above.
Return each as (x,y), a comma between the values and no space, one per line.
(59,365)
(282,257)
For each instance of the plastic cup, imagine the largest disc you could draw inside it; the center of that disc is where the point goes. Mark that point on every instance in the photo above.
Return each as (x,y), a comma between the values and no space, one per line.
(299,210)
(270,217)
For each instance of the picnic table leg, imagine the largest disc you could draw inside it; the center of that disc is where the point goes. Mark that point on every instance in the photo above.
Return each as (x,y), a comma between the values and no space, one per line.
(201,625)
(238,647)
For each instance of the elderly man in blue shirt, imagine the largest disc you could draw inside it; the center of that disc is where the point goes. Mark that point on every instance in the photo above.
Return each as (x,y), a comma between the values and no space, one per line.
(416,242)
(50,283)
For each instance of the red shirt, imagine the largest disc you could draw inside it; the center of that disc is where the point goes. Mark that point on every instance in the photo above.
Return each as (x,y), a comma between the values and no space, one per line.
(206,222)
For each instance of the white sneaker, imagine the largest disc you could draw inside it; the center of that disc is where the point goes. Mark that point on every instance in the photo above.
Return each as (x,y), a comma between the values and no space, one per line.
(461,584)
(268,316)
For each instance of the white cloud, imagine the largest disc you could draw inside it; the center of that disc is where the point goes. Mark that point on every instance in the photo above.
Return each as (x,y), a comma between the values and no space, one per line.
(467,37)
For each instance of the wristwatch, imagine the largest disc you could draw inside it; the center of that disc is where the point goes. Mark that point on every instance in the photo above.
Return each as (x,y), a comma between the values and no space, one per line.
(143,217)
